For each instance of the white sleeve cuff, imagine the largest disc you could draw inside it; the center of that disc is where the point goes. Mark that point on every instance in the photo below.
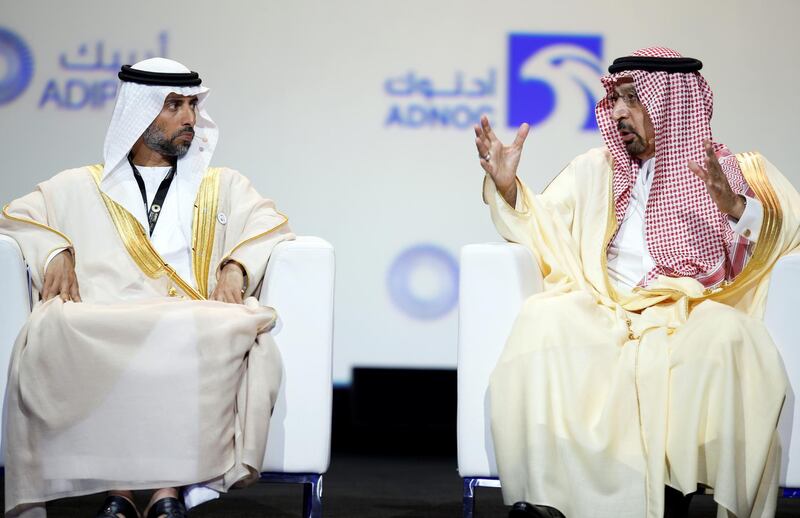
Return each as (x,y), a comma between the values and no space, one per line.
(749,225)
(52,255)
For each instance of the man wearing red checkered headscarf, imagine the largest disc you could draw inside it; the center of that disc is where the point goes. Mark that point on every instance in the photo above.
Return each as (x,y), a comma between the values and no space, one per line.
(643,368)
(679,106)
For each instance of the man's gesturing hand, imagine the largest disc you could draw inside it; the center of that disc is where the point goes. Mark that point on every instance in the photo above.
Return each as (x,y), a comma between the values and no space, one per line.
(717,184)
(230,284)
(60,279)
(500,161)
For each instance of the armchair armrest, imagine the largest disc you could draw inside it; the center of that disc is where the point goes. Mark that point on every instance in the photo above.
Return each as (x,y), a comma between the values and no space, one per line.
(495,280)
(299,284)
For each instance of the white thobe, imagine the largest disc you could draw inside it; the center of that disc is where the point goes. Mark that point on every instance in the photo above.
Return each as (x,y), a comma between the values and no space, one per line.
(172,235)
(171,239)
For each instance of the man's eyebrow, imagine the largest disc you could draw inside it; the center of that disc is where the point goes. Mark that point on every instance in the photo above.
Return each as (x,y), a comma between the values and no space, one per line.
(175,98)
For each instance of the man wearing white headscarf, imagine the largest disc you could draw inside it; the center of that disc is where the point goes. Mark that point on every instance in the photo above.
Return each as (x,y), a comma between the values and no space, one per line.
(643,369)
(147,363)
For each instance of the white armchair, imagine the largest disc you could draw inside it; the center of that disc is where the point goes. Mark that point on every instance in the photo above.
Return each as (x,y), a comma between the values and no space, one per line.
(299,284)
(495,280)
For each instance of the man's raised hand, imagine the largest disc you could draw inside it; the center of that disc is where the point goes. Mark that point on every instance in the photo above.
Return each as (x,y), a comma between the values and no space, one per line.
(500,161)
(60,279)
(717,184)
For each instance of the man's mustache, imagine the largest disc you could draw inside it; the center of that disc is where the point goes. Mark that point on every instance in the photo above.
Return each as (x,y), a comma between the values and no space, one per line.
(623,126)
(184,131)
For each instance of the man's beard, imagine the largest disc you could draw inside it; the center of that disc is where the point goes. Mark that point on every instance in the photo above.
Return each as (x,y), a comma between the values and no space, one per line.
(155,139)
(637,146)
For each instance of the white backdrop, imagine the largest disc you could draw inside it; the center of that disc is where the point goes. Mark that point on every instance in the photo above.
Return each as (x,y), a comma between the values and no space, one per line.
(331,108)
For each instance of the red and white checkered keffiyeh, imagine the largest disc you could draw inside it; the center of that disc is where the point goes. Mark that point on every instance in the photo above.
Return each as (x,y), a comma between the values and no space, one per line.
(687,235)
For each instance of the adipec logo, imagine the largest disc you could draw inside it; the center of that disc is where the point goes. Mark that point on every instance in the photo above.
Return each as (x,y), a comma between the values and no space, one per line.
(554,76)
(16,66)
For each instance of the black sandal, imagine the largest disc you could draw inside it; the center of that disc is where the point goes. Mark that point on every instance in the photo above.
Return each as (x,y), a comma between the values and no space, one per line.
(169,507)
(115,505)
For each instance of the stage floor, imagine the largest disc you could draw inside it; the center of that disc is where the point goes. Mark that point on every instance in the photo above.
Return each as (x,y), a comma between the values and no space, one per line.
(374,487)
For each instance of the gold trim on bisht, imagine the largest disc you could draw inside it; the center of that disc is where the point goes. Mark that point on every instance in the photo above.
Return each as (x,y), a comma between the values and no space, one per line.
(36,223)
(755,175)
(249,239)
(203,228)
(253,238)
(611,229)
(137,243)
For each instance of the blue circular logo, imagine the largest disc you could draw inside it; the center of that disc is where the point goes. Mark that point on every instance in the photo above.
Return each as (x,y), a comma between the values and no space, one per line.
(16,66)
(423,281)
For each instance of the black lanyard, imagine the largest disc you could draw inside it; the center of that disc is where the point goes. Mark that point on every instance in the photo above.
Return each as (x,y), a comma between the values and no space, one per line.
(154,211)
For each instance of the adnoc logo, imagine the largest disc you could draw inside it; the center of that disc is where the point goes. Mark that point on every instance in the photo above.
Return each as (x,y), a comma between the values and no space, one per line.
(16,66)
(554,76)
